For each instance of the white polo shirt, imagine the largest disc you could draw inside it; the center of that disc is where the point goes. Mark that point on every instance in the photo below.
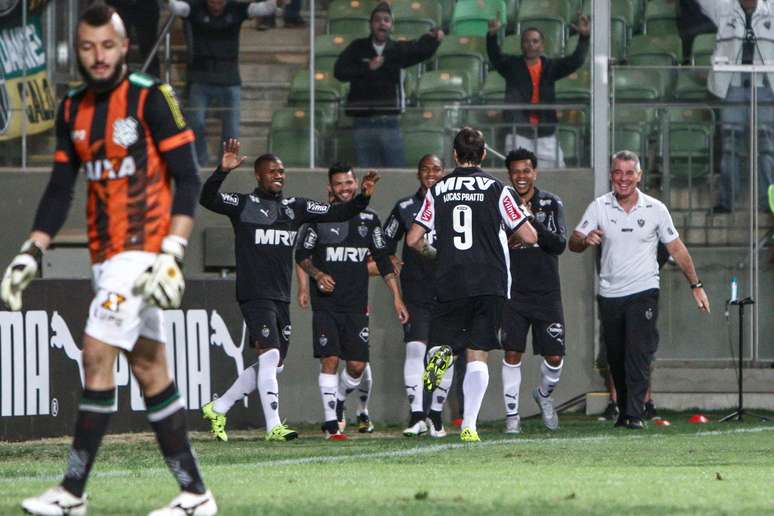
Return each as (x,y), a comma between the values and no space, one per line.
(629,243)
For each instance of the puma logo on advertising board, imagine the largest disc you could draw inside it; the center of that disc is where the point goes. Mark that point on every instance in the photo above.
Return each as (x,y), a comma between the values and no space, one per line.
(27,338)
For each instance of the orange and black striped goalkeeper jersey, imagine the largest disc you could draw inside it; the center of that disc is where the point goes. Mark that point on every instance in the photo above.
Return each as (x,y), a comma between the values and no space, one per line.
(122,140)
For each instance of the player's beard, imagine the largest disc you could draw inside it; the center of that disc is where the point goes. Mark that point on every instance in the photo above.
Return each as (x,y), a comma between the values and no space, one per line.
(104,85)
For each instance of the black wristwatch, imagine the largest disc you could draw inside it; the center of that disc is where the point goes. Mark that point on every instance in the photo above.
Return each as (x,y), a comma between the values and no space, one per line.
(698,284)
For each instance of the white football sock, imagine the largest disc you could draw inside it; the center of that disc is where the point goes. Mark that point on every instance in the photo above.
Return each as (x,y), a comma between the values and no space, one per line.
(364,390)
(412,373)
(329,384)
(347,384)
(442,391)
(474,387)
(549,377)
(242,386)
(511,386)
(268,387)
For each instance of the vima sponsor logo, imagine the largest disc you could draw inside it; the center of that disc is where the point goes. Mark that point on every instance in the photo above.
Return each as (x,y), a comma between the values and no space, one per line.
(26,339)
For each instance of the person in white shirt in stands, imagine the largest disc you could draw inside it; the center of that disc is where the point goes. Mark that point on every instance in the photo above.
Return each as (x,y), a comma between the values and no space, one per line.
(745,36)
(628,225)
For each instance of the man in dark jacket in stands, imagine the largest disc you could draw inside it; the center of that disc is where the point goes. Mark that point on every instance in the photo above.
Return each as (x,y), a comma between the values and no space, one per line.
(373,67)
(530,79)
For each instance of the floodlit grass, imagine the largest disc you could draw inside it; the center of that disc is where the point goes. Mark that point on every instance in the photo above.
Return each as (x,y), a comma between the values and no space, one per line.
(585,468)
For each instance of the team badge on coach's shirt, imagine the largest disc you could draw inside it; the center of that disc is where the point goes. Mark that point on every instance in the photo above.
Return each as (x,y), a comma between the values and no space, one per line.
(641,222)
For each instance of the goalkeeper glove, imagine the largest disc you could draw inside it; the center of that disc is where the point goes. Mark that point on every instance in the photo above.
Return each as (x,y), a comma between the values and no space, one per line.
(19,273)
(162,284)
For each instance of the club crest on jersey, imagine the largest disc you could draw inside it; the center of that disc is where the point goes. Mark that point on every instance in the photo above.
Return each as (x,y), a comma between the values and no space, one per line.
(364,334)
(265,332)
(641,222)
(78,135)
(540,216)
(362,231)
(113,302)
(125,132)
(649,314)
(323,340)
(290,213)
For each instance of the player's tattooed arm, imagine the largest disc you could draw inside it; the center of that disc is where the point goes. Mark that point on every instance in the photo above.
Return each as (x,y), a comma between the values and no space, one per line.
(325,282)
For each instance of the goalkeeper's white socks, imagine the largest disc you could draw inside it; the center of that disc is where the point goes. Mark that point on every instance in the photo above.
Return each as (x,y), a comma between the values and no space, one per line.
(347,384)
(364,390)
(329,384)
(413,368)
(245,383)
(268,387)
(474,387)
(511,386)
(442,391)
(549,377)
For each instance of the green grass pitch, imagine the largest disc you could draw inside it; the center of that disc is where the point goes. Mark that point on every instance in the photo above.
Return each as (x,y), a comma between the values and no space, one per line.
(586,467)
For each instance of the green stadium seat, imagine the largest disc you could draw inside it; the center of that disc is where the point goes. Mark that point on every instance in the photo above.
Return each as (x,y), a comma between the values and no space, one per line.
(660,17)
(350,16)
(634,84)
(416,16)
(631,137)
(575,87)
(647,49)
(619,38)
(444,85)
(355,25)
(298,118)
(464,54)
(425,139)
(471,17)
(702,50)
(327,48)
(292,145)
(691,85)
(572,143)
(531,9)
(493,91)
(663,51)
(447,11)
(328,93)
(690,150)
(626,10)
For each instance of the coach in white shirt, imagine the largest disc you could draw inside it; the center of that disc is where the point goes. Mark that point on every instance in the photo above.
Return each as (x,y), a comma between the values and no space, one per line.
(628,225)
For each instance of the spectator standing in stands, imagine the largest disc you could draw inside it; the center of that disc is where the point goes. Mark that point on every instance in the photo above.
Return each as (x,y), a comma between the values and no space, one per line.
(373,67)
(627,225)
(530,79)
(213,69)
(141,18)
(745,36)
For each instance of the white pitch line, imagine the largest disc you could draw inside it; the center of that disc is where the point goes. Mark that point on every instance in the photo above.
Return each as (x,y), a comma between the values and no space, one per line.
(409,452)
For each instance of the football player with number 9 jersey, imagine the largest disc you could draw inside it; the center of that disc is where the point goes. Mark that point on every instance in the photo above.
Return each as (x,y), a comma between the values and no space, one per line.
(471,212)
